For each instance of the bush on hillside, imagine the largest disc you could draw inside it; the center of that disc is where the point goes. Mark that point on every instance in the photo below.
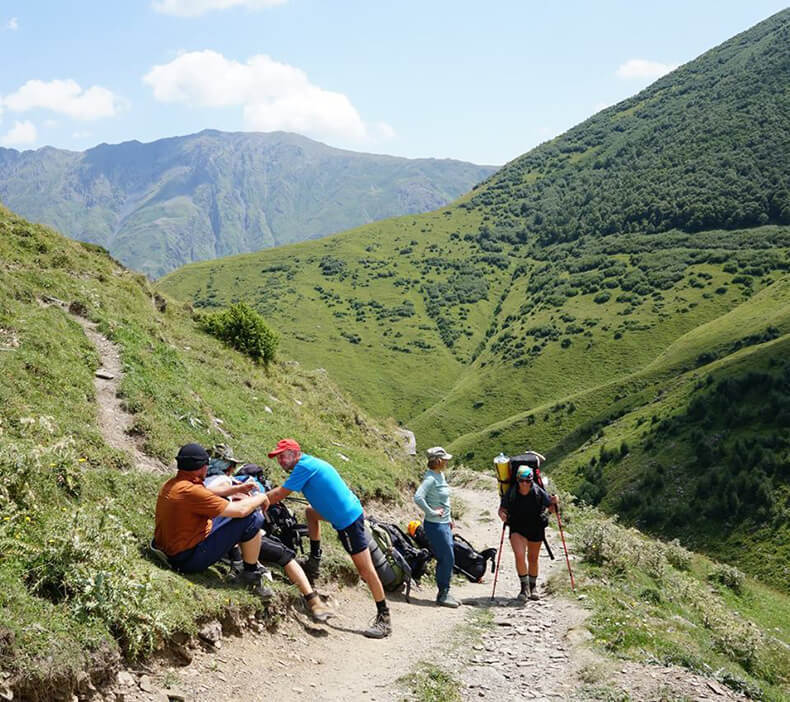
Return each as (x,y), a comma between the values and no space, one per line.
(243,329)
(728,576)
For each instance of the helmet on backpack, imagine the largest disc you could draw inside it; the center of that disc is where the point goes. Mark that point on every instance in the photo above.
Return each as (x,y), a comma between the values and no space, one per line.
(412,527)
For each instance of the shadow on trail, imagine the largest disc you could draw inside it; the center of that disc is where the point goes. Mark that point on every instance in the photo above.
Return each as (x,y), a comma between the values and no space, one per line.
(486,602)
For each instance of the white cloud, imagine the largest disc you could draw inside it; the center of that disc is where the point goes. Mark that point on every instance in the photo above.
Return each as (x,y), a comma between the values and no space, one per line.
(50,123)
(272,95)
(65,97)
(12,24)
(193,8)
(81,135)
(642,68)
(21,134)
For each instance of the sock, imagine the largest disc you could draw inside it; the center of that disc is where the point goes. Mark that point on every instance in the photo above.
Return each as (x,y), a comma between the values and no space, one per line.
(310,596)
(235,554)
(523,579)
(250,567)
(382,607)
(315,548)
(533,582)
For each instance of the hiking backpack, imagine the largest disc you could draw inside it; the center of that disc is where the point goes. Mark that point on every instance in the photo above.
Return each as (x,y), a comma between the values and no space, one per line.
(470,562)
(417,558)
(531,459)
(392,568)
(283,525)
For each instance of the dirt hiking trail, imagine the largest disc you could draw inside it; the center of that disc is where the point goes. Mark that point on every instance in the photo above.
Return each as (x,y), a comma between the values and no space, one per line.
(495,649)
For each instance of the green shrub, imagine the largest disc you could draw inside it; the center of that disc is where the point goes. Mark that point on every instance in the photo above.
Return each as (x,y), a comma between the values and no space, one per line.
(243,329)
(728,576)
(678,556)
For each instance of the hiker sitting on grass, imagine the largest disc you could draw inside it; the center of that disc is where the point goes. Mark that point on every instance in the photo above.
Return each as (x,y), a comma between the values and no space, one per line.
(331,500)
(195,527)
(433,498)
(523,508)
(220,480)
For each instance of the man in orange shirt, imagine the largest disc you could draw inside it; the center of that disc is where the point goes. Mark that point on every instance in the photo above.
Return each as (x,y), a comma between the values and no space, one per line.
(195,527)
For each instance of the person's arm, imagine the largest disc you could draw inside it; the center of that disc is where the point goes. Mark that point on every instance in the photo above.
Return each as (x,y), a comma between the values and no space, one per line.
(419,498)
(277,494)
(245,506)
(232,489)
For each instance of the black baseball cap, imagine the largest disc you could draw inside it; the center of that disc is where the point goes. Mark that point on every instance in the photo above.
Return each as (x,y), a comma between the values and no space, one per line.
(191,457)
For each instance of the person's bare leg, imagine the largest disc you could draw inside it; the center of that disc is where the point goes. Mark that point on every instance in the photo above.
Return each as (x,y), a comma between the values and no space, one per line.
(367,571)
(533,551)
(314,520)
(519,544)
(250,549)
(296,575)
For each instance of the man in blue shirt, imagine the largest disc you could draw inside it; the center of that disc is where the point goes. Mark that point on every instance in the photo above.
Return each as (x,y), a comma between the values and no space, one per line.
(331,501)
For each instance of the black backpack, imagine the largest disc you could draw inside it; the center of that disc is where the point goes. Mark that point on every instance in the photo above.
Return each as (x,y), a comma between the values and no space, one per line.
(470,562)
(417,558)
(283,525)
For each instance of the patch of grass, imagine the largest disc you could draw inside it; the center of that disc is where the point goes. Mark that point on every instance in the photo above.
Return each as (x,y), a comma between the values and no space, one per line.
(429,683)
(644,606)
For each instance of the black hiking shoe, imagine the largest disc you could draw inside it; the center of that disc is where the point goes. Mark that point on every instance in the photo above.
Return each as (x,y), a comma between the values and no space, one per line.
(311,567)
(521,598)
(381,627)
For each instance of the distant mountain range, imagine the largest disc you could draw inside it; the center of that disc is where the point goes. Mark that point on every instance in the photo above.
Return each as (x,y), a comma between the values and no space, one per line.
(160,205)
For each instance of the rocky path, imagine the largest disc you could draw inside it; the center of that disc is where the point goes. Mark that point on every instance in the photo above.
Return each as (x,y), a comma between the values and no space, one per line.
(494,649)
(113,420)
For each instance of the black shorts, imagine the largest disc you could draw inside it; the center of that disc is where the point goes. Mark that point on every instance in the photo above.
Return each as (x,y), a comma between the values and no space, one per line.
(530,533)
(275,551)
(353,537)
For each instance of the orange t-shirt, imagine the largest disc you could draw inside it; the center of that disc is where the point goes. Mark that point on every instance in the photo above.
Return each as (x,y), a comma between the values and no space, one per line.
(184,510)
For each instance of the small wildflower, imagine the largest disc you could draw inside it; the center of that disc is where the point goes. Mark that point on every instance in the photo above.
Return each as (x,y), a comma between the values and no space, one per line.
(27,519)
(51,465)
(82,460)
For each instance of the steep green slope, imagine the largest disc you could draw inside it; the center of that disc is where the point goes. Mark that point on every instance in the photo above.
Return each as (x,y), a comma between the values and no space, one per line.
(157,206)
(570,288)
(75,589)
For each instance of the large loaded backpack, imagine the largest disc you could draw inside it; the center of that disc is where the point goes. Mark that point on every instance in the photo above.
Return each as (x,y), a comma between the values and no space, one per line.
(469,562)
(392,568)
(416,557)
(507,483)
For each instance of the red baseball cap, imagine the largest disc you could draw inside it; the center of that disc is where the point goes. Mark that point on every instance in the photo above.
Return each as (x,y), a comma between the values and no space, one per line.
(284,445)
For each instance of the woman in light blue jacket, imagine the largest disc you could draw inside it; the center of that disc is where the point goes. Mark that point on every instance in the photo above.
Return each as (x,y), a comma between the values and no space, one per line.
(433,498)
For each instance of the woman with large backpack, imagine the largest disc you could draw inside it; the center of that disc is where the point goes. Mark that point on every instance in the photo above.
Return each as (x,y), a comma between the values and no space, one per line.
(523,508)
(433,498)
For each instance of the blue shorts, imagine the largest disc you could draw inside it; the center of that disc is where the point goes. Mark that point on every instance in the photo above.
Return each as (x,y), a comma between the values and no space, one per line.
(353,537)
(225,533)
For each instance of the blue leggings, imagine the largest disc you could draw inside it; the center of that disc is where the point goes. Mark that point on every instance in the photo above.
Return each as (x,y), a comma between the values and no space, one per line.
(225,533)
(440,537)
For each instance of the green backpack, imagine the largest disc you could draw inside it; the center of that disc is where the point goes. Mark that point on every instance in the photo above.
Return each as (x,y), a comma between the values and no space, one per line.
(392,568)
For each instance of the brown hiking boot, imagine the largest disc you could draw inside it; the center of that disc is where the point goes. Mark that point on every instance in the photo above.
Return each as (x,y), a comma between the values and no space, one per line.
(381,627)
(318,610)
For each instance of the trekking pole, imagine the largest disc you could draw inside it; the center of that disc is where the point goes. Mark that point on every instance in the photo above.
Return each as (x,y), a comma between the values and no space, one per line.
(498,558)
(548,548)
(567,559)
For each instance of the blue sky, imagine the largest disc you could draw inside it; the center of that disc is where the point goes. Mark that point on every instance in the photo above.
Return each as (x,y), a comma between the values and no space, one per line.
(483,82)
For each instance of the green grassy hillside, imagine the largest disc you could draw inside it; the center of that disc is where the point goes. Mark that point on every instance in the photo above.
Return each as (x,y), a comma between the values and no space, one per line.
(575,285)
(75,588)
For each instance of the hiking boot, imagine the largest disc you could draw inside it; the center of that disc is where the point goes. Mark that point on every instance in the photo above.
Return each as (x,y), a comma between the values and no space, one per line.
(265,593)
(311,567)
(381,627)
(318,610)
(533,593)
(521,598)
(445,599)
